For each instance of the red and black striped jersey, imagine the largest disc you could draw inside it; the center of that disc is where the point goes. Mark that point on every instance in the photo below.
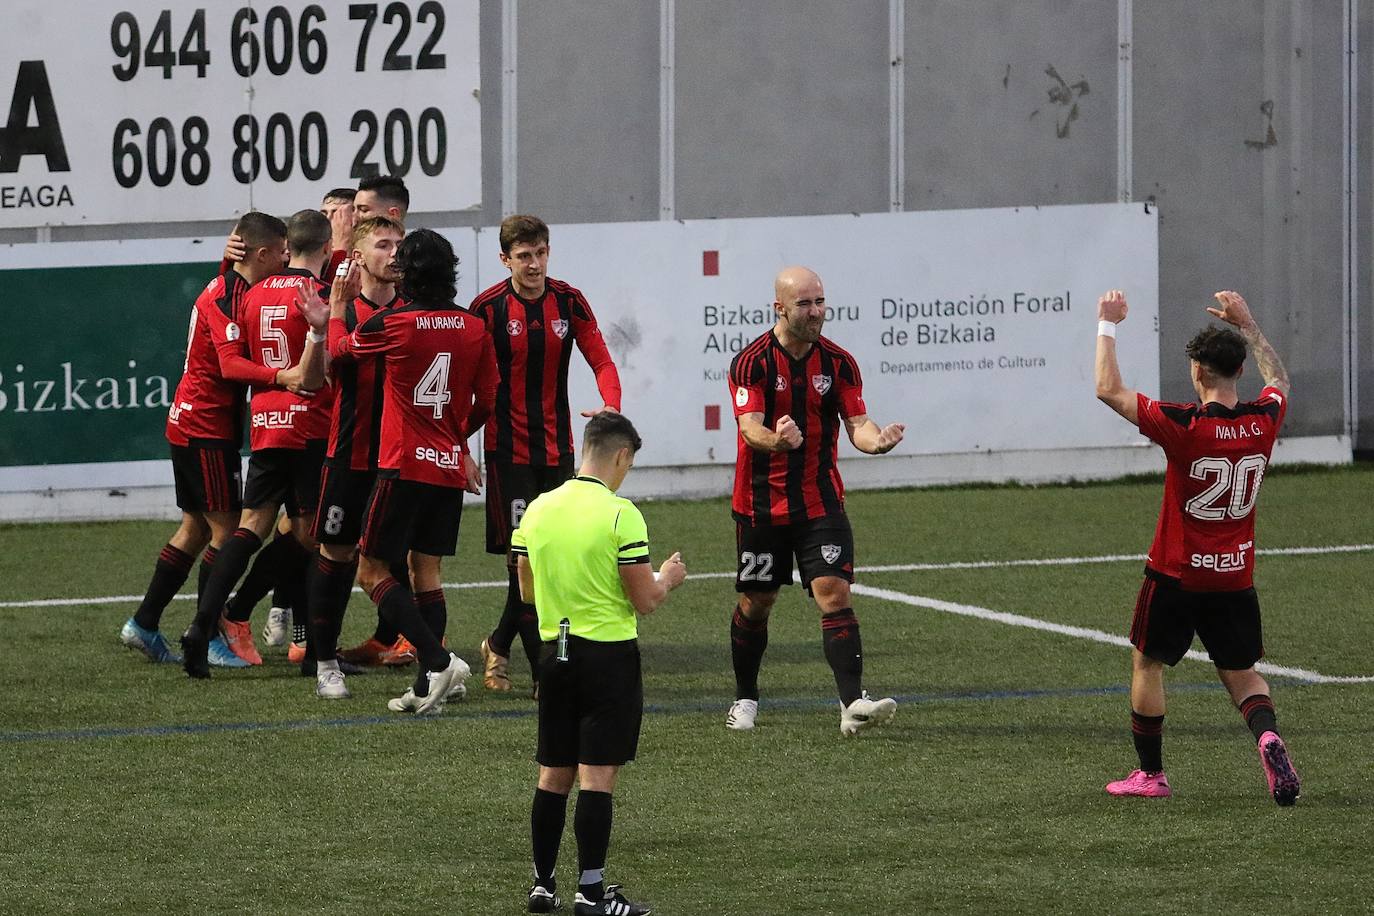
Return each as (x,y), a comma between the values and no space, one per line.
(274,330)
(817,392)
(356,431)
(1217,455)
(440,387)
(209,398)
(532,423)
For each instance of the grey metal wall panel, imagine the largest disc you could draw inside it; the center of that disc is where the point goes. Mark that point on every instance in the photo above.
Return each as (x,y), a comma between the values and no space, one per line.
(781,107)
(1010,104)
(1228,141)
(588,110)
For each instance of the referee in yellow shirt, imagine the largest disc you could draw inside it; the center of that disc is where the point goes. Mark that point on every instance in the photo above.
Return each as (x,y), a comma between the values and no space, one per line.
(582,554)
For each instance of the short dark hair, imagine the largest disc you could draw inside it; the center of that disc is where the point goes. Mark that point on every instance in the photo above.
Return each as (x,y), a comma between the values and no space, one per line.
(1220,351)
(429,268)
(522,229)
(259,230)
(308,231)
(609,432)
(389,188)
(341,194)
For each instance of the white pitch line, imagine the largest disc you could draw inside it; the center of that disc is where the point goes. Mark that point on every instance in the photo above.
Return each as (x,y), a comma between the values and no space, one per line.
(1111,639)
(895,567)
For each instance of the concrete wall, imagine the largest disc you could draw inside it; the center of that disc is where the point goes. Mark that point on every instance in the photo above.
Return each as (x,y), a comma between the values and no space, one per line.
(782,107)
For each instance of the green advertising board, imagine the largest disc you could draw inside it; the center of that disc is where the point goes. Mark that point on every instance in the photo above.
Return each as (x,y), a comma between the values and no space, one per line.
(90,358)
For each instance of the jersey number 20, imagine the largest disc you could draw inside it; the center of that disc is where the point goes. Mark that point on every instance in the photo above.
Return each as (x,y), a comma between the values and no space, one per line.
(1235,487)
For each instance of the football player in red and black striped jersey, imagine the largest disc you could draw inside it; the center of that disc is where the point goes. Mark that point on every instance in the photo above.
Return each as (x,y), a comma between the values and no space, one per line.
(534,321)
(290,428)
(1199,572)
(793,389)
(205,427)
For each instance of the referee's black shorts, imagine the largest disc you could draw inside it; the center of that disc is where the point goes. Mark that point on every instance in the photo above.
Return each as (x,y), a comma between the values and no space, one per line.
(590,706)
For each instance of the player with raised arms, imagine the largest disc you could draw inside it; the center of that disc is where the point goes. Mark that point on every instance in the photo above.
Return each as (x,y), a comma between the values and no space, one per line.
(1199,572)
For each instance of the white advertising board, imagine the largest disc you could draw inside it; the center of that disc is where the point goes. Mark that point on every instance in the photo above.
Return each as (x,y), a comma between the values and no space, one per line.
(975,328)
(151,111)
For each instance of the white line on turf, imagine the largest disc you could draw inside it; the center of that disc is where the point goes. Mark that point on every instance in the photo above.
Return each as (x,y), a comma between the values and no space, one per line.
(1017,620)
(896,567)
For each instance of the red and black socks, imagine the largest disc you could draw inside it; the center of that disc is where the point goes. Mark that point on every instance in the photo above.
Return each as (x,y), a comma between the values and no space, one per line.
(169,575)
(845,653)
(748,640)
(1258,711)
(1148,733)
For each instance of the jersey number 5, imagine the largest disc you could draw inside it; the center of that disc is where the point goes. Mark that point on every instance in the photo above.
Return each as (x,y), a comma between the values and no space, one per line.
(432,391)
(275,353)
(1235,487)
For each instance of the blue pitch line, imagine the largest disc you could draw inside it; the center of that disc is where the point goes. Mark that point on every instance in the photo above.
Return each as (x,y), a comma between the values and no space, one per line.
(663,709)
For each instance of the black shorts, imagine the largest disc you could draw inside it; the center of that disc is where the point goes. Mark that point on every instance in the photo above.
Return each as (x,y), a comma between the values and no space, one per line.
(822,547)
(590,706)
(406,515)
(287,477)
(1166,617)
(208,476)
(343,499)
(511,488)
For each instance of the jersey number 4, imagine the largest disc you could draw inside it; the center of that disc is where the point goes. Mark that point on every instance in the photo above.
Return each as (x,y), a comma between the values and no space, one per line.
(1234,488)
(432,391)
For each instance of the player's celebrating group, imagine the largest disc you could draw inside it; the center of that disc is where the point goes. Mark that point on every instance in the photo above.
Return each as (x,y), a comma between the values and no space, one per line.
(368,381)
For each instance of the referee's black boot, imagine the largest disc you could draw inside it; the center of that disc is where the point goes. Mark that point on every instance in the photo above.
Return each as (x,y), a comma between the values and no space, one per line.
(613,903)
(195,653)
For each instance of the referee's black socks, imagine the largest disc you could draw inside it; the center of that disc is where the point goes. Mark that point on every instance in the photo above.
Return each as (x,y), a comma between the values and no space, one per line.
(845,652)
(547,817)
(592,827)
(748,640)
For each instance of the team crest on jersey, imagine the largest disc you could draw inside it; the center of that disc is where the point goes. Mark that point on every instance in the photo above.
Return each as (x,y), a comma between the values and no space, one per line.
(514,327)
(830,553)
(231,332)
(779,383)
(560,327)
(821,383)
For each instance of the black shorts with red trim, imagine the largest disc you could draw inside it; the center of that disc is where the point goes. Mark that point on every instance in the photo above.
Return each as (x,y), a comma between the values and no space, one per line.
(343,500)
(510,489)
(1166,617)
(822,547)
(208,476)
(590,706)
(406,515)
(287,477)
